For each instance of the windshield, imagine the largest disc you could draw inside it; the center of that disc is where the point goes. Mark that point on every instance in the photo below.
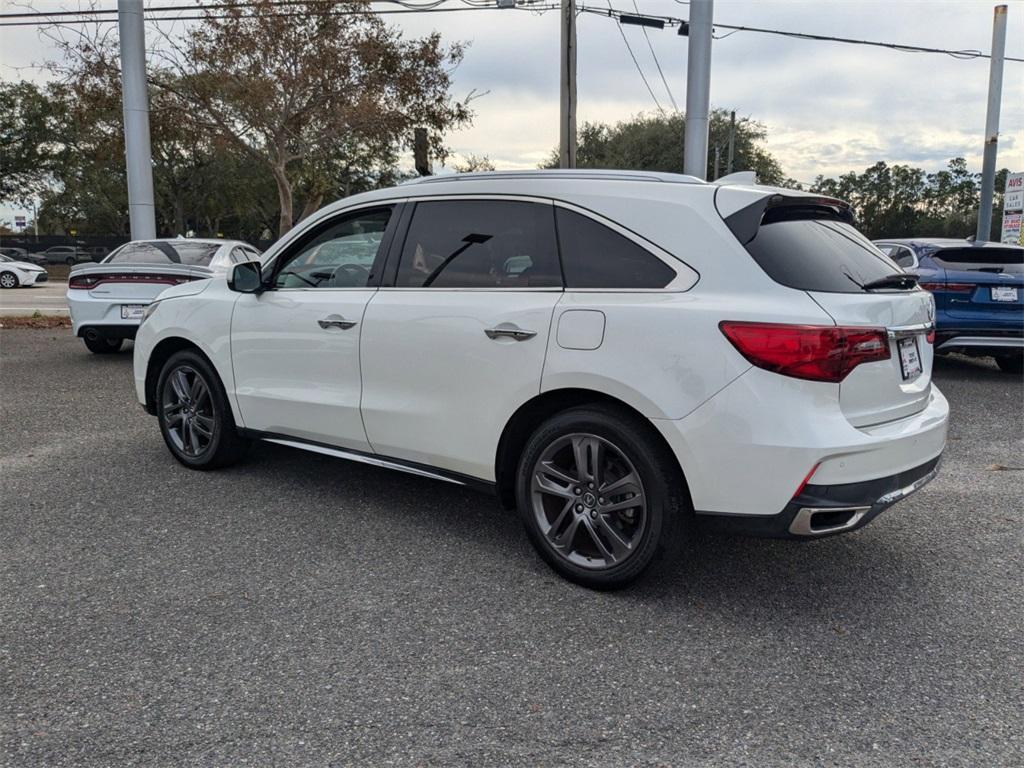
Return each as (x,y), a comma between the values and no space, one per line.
(163,252)
(5,258)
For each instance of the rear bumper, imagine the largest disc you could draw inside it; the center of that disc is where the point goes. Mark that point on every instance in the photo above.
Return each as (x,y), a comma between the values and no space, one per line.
(827,510)
(980,340)
(91,312)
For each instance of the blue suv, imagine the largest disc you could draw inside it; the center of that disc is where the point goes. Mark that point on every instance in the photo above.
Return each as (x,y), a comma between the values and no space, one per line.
(979,294)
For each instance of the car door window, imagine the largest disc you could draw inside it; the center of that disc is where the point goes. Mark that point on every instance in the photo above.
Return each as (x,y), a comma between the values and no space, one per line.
(340,254)
(479,244)
(594,256)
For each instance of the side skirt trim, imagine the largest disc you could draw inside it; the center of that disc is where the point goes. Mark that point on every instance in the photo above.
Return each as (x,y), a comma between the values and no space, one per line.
(374,460)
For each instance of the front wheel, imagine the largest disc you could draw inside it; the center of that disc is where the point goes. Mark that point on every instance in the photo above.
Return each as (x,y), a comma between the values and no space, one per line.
(99,345)
(194,415)
(1011,363)
(599,495)
(8,280)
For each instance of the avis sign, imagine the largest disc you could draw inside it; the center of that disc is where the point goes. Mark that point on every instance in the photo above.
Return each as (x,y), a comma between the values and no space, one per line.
(1013,208)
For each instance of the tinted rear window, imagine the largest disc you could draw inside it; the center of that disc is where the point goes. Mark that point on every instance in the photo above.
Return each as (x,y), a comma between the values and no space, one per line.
(189,254)
(818,255)
(1008,260)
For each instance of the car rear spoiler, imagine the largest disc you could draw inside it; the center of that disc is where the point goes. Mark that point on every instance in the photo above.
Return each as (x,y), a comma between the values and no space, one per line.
(745,222)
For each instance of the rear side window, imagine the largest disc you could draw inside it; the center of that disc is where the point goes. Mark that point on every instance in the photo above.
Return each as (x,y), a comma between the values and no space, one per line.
(594,256)
(480,244)
(189,254)
(818,255)
(996,260)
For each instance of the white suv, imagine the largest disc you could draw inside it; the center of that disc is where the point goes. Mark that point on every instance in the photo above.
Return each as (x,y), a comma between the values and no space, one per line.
(612,353)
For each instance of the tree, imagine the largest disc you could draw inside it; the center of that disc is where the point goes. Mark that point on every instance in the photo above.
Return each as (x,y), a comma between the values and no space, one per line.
(27,133)
(655,143)
(311,94)
(471,163)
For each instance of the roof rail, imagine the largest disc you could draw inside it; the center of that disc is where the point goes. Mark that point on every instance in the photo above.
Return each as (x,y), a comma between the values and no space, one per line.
(562,173)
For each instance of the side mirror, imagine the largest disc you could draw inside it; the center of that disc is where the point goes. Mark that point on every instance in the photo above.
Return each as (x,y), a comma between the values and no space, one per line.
(246,277)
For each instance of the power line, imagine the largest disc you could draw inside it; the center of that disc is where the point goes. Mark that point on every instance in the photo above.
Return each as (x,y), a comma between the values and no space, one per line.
(470,5)
(636,63)
(657,63)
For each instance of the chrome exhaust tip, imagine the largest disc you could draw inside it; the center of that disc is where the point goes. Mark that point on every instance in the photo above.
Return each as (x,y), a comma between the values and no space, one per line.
(817,521)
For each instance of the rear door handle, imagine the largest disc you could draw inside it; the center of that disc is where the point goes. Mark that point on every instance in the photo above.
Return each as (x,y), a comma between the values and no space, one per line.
(511,332)
(337,321)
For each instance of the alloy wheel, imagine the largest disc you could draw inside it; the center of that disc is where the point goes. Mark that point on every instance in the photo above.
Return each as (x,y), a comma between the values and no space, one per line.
(188,411)
(589,501)
(7,280)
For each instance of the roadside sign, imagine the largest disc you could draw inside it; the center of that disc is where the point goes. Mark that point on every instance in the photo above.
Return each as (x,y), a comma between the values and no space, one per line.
(1013,207)
(19,222)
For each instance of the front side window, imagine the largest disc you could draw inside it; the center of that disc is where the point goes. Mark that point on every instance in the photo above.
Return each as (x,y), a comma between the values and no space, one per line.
(162,252)
(480,244)
(340,255)
(594,256)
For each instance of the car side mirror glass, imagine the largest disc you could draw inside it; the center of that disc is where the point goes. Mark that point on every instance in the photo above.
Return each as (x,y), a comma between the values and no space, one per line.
(246,277)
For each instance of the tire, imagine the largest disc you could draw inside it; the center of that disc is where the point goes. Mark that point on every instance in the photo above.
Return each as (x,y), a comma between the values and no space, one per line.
(571,532)
(196,420)
(102,346)
(70,261)
(1011,363)
(8,280)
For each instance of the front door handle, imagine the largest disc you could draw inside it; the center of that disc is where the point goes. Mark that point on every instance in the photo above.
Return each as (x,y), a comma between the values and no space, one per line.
(337,321)
(511,332)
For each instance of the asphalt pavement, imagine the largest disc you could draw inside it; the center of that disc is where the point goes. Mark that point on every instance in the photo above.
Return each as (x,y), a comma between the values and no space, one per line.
(300,610)
(46,299)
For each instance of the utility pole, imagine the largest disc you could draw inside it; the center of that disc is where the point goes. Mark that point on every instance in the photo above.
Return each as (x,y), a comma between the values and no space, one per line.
(698,89)
(138,161)
(732,141)
(995,96)
(567,110)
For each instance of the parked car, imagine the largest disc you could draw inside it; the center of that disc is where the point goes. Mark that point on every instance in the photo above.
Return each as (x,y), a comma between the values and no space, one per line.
(65,254)
(107,300)
(19,274)
(979,294)
(20,254)
(613,353)
(97,252)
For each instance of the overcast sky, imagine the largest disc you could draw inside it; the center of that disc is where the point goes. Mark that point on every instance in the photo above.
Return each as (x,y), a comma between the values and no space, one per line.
(829,108)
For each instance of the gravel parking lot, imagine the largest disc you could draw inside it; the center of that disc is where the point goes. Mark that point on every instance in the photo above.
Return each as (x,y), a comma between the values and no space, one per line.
(299,610)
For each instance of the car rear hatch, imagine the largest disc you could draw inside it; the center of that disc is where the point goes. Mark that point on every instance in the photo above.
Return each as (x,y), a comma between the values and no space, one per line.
(808,243)
(980,283)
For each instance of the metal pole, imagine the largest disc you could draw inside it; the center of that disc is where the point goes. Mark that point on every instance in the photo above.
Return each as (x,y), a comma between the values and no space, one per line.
(732,141)
(698,89)
(141,210)
(995,95)
(567,111)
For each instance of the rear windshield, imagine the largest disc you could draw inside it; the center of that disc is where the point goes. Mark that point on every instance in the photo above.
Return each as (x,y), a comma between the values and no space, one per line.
(1007,260)
(189,254)
(819,255)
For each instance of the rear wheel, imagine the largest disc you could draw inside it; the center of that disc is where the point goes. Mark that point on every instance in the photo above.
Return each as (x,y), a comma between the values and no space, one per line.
(102,346)
(1011,363)
(194,414)
(8,280)
(599,495)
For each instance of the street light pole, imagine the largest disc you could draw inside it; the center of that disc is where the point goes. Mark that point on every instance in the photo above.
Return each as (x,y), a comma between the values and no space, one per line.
(698,89)
(995,95)
(138,162)
(567,109)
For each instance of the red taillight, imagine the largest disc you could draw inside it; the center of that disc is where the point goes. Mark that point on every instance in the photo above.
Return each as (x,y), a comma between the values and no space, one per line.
(814,352)
(930,336)
(87,282)
(952,287)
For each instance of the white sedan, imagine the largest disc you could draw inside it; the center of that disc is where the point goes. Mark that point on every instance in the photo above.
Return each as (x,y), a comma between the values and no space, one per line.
(19,274)
(106,300)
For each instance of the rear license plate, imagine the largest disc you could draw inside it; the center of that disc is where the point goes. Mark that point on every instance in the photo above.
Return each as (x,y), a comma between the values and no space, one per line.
(132,311)
(1004,293)
(910,358)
